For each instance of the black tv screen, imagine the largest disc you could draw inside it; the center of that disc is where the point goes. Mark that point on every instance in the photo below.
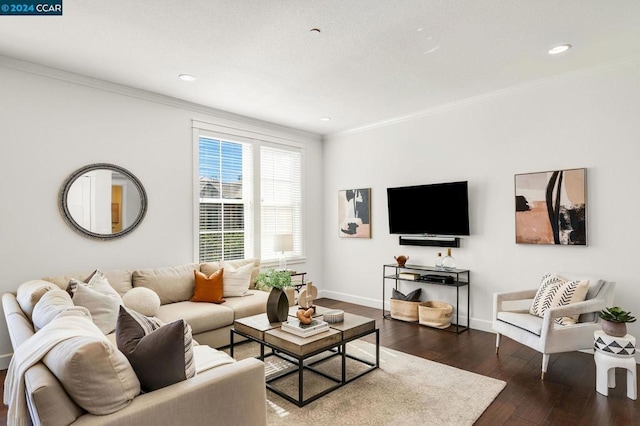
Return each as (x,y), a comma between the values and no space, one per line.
(436,209)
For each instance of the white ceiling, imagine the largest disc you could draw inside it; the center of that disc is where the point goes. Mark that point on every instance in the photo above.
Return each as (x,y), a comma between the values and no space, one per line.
(374,60)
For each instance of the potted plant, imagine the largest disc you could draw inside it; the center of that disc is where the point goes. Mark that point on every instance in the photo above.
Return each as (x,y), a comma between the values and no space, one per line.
(278,302)
(614,321)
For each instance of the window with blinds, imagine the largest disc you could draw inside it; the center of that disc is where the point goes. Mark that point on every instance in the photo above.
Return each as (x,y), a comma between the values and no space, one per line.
(247,185)
(225,192)
(281,200)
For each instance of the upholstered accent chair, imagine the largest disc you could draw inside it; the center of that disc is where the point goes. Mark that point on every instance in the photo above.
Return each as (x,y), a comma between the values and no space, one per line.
(512,318)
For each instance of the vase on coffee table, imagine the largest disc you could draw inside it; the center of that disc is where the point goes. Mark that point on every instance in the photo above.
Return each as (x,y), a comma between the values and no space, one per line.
(277,305)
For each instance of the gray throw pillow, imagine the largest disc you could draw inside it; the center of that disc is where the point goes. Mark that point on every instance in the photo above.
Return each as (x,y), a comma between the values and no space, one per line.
(414,296)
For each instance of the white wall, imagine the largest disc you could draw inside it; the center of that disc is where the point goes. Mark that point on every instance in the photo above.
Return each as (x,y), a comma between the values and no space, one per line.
(588,119)
(50,127)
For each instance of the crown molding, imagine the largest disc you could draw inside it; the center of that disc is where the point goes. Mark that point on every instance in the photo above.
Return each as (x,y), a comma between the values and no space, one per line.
(107,86)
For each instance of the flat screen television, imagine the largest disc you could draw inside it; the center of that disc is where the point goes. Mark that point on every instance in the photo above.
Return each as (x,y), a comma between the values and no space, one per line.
(436,209)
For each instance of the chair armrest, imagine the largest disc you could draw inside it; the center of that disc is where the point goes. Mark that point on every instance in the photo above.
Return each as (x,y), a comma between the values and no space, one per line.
(228,394)
(512,296)
(578,308)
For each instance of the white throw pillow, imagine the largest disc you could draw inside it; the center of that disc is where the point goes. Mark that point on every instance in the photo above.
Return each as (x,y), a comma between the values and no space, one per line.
(238,263)
(235,282)
(102,301)
(143,300)
(555,291)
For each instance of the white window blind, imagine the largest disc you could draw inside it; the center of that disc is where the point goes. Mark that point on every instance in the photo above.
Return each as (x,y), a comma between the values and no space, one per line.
(281,199)
(226,199)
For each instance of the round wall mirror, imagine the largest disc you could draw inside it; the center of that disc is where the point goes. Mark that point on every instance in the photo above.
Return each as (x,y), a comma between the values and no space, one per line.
(103,201)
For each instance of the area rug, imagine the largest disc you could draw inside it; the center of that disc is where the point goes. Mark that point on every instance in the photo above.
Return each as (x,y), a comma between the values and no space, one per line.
(405,390)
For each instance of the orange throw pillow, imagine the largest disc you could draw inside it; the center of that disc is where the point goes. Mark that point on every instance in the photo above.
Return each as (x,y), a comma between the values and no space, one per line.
(208,289)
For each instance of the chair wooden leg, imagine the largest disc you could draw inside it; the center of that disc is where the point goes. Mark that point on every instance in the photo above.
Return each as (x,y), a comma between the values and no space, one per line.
(545,364)
(497,342)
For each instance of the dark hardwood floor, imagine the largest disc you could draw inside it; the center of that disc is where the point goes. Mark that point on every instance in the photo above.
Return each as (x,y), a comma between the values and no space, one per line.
(567,396)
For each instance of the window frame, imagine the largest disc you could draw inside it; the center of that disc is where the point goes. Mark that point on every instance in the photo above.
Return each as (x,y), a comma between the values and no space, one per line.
(257,140)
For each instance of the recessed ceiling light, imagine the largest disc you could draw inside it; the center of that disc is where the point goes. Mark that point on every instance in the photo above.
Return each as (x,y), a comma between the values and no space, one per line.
(559,49)
(187,77)
(314,30)
(325,119)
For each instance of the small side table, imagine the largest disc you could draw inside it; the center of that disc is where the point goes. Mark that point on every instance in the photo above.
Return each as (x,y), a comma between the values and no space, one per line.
(612,352)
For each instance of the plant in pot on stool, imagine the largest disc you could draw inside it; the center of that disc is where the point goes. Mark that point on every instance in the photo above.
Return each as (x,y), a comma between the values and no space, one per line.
(277,303)
(614,321)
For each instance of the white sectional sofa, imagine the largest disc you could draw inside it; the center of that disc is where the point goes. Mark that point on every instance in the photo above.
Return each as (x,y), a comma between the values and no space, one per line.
(232,393)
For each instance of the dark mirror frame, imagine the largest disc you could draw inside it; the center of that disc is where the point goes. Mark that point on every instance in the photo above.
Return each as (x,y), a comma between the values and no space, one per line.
(66,214)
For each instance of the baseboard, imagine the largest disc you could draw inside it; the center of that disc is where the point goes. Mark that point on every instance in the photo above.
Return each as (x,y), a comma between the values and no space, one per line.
(4,361)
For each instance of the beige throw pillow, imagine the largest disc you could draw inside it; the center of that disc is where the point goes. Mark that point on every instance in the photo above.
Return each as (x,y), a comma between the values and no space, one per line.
(555,291)
(235,282)
(95,374)
(51,304)
(30,292)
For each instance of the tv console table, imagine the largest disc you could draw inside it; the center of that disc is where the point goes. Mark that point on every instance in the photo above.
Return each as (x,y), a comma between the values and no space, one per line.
(455,278)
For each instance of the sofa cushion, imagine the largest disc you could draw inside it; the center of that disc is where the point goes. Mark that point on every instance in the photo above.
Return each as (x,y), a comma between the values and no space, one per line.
(171,284)
(160,358)
(524,321)
(143,300)
(200,316)
(97,295)
(119,279)
(95,374)
(30,292)
(555,291)
(50,305)
(236,281)
(253,304)
(208,288)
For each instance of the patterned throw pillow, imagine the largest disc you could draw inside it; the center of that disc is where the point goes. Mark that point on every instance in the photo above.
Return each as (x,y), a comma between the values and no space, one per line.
(161,355)
(555,291)
(208,288)
(236,281)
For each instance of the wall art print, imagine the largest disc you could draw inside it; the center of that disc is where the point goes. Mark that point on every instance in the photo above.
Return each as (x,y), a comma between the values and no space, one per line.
(551,207)
(354,213)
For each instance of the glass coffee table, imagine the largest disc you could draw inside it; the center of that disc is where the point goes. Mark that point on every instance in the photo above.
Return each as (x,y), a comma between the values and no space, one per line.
(309,353)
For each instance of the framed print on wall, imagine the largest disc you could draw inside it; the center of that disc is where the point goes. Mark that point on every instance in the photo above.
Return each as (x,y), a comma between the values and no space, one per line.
(551,207)
(354,213)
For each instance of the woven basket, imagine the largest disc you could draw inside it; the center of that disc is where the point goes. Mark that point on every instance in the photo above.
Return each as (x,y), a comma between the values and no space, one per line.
(435,314)
(403,310)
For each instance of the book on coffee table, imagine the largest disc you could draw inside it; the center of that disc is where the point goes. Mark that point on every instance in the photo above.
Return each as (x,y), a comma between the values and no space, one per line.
(294,326)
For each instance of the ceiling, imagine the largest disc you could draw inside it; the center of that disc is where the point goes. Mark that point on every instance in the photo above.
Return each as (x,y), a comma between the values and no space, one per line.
(372,61)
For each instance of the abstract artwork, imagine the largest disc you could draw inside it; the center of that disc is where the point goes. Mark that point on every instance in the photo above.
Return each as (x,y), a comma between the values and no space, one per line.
(551,207)
(354,213)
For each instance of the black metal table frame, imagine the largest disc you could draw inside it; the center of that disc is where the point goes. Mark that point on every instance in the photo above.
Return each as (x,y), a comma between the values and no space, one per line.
(336,349)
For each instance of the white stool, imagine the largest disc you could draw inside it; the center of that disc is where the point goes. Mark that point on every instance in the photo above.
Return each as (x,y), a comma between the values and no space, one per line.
(612,352)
